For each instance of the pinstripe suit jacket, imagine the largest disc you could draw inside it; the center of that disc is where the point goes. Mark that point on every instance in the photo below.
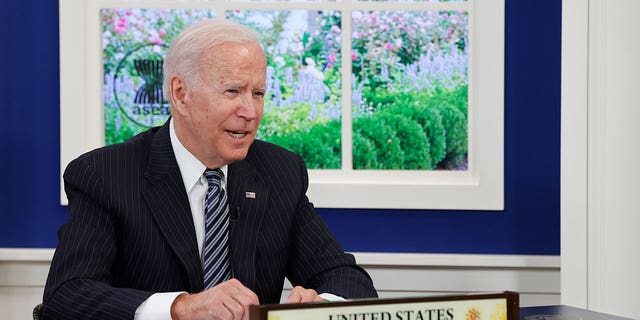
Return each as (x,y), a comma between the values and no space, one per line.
(130,232)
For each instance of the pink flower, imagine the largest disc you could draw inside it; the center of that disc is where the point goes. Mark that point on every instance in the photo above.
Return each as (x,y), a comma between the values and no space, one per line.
(119,26)
(357,35)
(335,29)
(388,46)
(118,30)
(162,33)
(332,57)
(354,56)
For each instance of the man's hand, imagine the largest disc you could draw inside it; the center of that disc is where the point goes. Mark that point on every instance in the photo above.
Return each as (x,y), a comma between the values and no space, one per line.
(300,295)
(228,300)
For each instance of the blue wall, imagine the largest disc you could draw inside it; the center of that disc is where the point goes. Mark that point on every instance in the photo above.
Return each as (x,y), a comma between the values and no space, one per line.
(30,212)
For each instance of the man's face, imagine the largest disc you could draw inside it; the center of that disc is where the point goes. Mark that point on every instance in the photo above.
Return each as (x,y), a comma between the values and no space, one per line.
(221,115)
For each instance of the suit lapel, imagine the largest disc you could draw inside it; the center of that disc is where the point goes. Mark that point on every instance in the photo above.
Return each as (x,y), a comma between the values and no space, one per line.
(248,197)
(169,205)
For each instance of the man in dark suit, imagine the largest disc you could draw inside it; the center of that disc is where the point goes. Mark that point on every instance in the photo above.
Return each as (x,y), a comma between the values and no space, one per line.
(132,247)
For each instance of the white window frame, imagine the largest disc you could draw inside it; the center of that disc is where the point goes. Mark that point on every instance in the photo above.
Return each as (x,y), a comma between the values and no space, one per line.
(480,187)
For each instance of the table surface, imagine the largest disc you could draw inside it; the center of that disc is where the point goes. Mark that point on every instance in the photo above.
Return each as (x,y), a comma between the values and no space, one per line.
(561,312)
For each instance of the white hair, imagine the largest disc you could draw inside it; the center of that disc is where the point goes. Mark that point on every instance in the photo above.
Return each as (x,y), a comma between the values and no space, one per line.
(185,52)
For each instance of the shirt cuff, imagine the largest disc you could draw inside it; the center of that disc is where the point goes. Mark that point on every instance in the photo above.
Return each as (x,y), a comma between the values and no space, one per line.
(331,297)
(157,306)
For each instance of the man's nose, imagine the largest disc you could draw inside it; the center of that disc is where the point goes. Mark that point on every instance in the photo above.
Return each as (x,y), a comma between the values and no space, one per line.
(247,107)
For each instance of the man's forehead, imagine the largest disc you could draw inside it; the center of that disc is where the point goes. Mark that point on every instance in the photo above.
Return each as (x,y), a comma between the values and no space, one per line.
(221,57)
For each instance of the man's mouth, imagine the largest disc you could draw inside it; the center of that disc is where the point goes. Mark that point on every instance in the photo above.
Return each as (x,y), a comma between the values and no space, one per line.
(237,134)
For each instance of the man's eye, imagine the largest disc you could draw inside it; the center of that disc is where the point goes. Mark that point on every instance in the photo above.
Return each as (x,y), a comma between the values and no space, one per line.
(231,91)
(259,94)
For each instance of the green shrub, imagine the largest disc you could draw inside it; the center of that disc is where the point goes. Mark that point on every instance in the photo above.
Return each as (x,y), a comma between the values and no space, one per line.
(455,127)
(384,137)
(324,149)
(320,146)
(413,141)
(431,124)
(365,155)
(456,97)
(280,121)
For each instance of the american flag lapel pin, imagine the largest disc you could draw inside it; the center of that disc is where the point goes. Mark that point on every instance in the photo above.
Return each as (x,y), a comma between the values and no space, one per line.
(250,195)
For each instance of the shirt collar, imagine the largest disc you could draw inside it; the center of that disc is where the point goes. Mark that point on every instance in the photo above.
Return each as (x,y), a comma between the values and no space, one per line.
(191,168)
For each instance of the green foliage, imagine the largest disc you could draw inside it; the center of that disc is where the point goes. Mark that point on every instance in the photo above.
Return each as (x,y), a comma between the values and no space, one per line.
(384,138)
(320,146)
(413,141)
(365,153)
(457,97)
(429,120)
(441,113)
(284,121)
(455,126)
(118,127)
(405,131)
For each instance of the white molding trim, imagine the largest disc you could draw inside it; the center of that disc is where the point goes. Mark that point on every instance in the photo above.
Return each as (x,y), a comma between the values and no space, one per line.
(597,82)
(26,255)
(368,259)
(456,260)
(573,152)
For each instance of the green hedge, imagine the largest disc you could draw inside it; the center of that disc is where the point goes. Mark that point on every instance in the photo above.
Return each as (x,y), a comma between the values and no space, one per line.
(320,146)
(402,131)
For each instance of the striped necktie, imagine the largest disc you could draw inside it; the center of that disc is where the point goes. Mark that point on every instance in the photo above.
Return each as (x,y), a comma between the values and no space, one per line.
(215,258)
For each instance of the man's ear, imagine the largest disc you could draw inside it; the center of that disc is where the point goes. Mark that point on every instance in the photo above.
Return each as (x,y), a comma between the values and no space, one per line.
(178,93)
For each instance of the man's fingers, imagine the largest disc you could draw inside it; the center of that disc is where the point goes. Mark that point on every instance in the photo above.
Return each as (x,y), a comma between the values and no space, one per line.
(237,291)
(294,297)
(236,309)
(228,300)
(301,295)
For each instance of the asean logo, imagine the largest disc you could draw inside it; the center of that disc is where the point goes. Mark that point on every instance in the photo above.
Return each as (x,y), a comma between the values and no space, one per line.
(138,90)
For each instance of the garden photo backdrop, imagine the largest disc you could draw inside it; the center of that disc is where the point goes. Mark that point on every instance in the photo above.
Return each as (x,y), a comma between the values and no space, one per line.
(409,82)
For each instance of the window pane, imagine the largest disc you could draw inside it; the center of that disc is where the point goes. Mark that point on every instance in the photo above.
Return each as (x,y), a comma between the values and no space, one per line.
(134,42)
(410,90)
(303,102)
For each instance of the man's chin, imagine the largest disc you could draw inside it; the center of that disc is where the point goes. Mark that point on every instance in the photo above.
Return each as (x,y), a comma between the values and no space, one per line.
(237,155)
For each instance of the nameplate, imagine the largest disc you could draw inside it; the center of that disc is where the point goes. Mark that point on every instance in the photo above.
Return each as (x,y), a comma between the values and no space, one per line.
(491,306)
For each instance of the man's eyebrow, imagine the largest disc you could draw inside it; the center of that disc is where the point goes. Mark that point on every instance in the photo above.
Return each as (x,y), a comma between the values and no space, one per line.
(234,83)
